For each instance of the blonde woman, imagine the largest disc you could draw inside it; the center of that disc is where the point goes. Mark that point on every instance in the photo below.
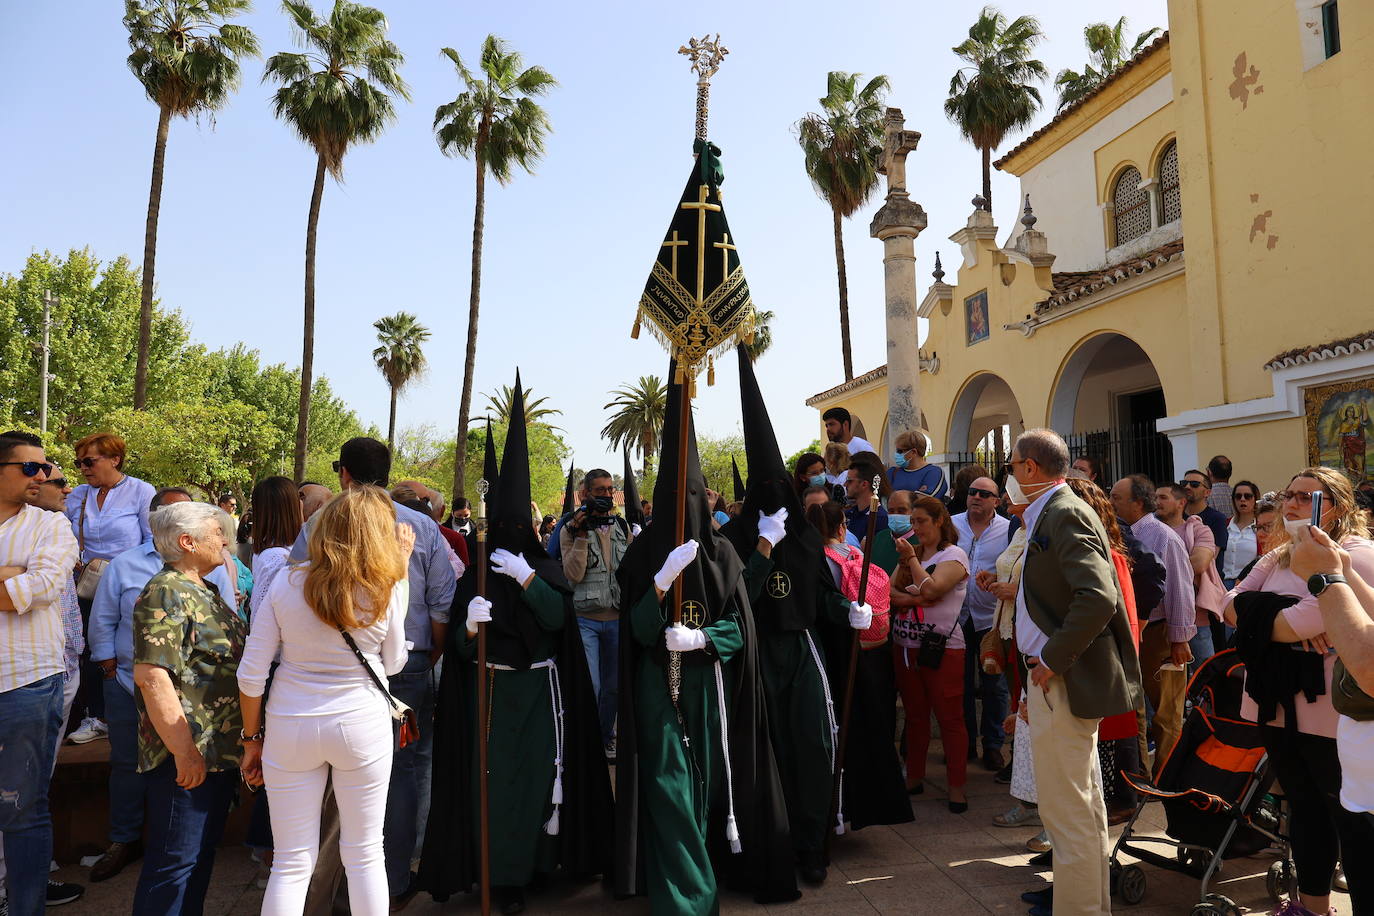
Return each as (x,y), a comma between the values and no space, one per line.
(327,716)
(836,457)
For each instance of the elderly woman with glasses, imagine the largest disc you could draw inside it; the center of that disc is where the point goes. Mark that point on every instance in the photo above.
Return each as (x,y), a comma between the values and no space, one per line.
(109,514)
(1281,637)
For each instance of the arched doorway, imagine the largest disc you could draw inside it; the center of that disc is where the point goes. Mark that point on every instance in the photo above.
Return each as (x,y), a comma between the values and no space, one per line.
(985,421)
(1106,405)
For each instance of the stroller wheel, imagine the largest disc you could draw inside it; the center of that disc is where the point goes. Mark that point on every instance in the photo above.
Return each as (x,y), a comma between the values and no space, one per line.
(1281,880)
(1132,884)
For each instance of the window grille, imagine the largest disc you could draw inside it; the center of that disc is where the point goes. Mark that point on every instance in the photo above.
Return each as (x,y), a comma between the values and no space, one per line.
(1170,199)
(1132,207)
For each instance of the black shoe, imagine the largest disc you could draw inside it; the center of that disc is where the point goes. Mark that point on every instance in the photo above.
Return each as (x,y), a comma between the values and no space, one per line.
(59,892)
(1043,858)
(1003,776)
(1042,897)
(402,900)
(510,900)
(993,761)
(114,859)
(812,867)
(958,807)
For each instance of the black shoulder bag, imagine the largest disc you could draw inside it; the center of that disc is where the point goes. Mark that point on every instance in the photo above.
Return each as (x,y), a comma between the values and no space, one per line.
(409,731)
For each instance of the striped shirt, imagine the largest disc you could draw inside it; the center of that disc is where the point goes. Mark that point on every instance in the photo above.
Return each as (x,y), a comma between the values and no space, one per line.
(73,640)
(31,637)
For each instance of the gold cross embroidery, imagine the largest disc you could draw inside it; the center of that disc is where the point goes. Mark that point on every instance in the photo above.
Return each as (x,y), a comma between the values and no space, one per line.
(725,249)
(673,245)
(701,206)
(693,614)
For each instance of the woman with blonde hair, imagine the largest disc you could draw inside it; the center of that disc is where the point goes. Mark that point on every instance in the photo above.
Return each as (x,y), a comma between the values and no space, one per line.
(1275,602)
(836,457)
(338,621)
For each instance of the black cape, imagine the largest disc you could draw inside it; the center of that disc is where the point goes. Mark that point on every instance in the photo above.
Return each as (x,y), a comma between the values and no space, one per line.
(766,867)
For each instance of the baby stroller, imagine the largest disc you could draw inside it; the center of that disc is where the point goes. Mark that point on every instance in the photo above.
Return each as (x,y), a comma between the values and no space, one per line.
(1213,787)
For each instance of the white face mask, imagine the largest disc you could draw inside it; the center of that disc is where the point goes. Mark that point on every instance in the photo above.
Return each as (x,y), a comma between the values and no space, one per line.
(1295,525)
(1018,494)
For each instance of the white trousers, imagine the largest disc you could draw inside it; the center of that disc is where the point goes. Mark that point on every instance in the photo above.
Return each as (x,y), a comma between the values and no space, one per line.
(297,759)
(1071,806)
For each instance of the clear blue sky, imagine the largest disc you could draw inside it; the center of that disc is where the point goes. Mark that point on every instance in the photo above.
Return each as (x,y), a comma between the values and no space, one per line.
(567,249)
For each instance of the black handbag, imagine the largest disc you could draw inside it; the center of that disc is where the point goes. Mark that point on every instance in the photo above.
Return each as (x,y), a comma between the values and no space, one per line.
(1346,695)
(932,651)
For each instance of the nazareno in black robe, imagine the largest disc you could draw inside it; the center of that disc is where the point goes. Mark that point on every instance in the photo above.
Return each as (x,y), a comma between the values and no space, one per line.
(450,861)
(766,866)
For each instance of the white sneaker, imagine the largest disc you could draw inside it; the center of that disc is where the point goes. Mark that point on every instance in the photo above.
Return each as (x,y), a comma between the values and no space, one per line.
(90,730)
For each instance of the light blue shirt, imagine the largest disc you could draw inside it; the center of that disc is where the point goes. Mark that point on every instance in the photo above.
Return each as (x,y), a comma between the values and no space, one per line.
(432,582)
(110,633)
(983,552)
(1030,639)
(121,524)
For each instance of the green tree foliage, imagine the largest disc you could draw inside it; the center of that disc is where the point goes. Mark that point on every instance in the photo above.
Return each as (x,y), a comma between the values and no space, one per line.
(213,445)
(715,453)
(1107,51)
(842,146)
(638,418)
(186,55)
(763,335)
(791,460)
(535,412)
(991,95)
(496,123)
(337,94)
(400,358)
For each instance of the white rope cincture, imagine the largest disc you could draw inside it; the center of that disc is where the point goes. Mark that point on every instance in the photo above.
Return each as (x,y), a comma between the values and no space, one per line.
(731,827)
(829,705)
(556,697)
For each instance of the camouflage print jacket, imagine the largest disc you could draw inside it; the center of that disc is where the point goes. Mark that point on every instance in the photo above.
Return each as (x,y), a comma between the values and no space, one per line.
(190,631)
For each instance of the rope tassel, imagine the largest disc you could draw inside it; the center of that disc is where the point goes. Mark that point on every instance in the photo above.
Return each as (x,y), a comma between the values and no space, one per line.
(556,700)
(731,827)
(639,317)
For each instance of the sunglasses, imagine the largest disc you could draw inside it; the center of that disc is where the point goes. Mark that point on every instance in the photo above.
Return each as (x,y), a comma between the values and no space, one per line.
(59,482)
(975,491)
(1191,483)
(336,467)
(1244,495)
(88,462)
(30,468)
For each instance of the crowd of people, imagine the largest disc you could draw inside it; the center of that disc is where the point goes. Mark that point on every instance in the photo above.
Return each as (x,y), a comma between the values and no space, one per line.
(324,646)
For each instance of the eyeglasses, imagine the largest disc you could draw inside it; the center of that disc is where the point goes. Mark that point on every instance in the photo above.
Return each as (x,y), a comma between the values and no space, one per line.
(336,467)
(1191,483)
(89,462)
(976,491)
(1244,496)
(30,468)
(603,491)
(1301,497)
(59,482)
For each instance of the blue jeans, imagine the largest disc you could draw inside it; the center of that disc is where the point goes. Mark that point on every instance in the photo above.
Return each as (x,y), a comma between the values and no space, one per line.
(184,827)
(30,718)
(128,787)
(1201,646)
(991,689)
(407,803)
(601,640)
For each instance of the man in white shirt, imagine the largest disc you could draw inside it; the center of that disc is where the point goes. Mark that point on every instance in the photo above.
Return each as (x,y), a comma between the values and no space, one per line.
(839,428)
(37,554)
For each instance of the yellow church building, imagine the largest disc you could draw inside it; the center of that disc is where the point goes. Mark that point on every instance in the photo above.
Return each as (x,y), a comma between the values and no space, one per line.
(1186,279)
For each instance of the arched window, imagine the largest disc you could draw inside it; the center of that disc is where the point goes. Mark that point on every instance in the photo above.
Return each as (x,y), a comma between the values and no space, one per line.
(1132,207)
(1170,200)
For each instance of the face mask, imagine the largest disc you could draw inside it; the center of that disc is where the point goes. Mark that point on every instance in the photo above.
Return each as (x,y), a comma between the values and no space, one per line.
(1018,494)
(1296,525)
(899,524)
(899,460)
(818,480)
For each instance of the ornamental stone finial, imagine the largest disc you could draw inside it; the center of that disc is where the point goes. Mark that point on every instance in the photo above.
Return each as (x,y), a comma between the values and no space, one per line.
(939,272)
(1028,217)
(979,202)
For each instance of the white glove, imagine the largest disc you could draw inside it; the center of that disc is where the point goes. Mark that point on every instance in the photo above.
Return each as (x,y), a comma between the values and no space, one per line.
(860,616)
(677,561)
(683,639)
(772,528)
(479,611)
(511,564)
(635,530)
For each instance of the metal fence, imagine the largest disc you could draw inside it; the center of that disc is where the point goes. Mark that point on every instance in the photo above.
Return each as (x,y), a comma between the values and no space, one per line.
(1138,448)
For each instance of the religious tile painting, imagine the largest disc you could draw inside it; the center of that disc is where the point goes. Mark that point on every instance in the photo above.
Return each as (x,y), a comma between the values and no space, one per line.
(1340,433)
(976,326)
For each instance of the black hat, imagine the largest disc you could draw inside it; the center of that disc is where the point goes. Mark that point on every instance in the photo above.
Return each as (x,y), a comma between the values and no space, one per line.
(489,472)
(634,512)
(739,483)
(568,503)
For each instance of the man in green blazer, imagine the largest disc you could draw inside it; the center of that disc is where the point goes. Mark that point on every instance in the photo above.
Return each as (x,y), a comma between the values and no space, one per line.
(1072,627)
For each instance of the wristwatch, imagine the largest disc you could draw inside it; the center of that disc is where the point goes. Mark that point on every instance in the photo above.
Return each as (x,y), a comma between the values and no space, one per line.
(1320,582)
(244,737)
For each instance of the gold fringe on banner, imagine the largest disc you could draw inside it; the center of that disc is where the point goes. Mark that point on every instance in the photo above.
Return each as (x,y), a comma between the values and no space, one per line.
(711,370)
(639,317)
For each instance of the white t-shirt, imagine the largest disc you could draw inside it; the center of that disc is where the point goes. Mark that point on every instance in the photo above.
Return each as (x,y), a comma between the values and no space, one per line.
(857,445)
(1355,745)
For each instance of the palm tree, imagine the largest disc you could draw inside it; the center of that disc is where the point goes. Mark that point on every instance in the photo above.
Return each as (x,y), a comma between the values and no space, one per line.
(842,146)
(495,122)
(638,418)
(336,94)
(499,404)
(763,336)
(186,55)
(992,96)
(1107,51)
(399,358)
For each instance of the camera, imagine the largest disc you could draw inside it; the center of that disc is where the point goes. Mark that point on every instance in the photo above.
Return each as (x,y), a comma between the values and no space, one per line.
(597,511)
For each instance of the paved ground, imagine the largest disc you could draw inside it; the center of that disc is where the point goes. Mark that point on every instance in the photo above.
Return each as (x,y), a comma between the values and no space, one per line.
(940,863)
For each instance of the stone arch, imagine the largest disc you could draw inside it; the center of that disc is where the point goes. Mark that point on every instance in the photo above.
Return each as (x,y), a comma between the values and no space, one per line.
(985,402)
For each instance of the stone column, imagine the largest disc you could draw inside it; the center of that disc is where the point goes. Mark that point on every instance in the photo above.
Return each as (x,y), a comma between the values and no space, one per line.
(897,224)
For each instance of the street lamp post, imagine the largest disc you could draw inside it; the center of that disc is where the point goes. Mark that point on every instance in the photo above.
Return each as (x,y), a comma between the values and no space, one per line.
(48,300)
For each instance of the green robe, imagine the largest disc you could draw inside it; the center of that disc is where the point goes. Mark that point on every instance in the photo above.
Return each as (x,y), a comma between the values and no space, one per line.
(520,752)
(677,783)
(797,719)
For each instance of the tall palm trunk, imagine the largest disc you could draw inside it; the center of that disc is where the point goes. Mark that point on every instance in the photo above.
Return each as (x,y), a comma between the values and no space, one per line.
(646,448)
(308,347)
(391,422)
(987,177)
(474,299)
(145,304)
(843,279)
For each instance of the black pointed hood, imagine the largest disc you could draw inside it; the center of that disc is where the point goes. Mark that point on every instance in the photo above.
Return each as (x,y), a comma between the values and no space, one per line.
(789,605)
(489,470)
(568,492)
(634,512)
(739,481)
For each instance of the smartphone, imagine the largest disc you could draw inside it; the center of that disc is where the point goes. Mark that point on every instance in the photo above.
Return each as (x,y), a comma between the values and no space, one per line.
(1317,508)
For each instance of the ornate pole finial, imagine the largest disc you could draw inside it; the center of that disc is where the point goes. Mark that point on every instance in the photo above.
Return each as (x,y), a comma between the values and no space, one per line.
(979,201)
(706,54)
(939,272)
(1028,218)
